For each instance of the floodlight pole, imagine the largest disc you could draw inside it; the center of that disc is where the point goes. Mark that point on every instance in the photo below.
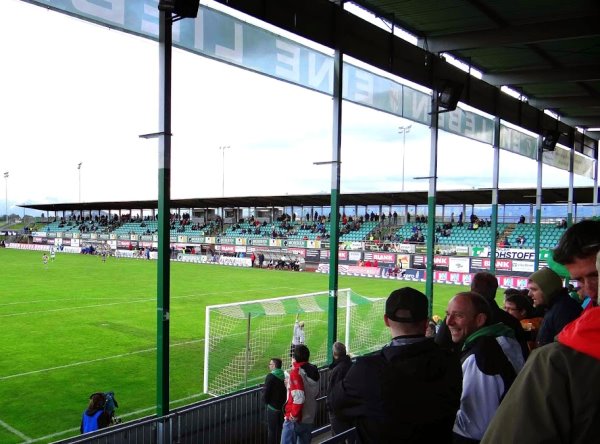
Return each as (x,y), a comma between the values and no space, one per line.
(164,207)
(79,171)
(223,148)
(6,197)
(403,130)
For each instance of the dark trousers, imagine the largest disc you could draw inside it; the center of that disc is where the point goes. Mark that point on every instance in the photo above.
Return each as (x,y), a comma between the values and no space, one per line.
(338,425)
(274,425)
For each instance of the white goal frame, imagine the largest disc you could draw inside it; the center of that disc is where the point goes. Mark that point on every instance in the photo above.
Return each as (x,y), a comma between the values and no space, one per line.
(344,299)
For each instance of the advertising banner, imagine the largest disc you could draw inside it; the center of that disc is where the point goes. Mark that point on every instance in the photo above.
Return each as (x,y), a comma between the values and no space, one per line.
(297,251)
(414,275)
(384,258)
(355,270)
(313,244)
(523,266)
(506,253)
(354,256)
(419,261)
(347,245)
(441,261)
(313,255)
(446,277)
(258,242)
(512,281)
(461,250)
(403,261)
(501,264)
(459,265)
(404,248)
(294,243)
(342,255)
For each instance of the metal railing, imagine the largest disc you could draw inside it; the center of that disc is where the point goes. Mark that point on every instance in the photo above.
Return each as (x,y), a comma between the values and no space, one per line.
(236,418)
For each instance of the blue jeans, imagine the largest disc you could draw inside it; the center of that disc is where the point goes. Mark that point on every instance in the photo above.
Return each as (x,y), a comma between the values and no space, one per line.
(296,433)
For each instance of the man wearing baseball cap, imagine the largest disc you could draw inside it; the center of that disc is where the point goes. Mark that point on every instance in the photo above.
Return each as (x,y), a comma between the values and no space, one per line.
(410,390)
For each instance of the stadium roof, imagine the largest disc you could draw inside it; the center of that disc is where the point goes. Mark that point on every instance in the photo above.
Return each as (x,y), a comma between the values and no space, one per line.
(520,196)
(549,51)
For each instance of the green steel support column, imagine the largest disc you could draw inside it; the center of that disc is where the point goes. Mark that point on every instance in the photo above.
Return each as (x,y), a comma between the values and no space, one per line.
(495,182)
(595,194)
(571,179)
(335,206)
(431,200)
(538,205)
(164,198)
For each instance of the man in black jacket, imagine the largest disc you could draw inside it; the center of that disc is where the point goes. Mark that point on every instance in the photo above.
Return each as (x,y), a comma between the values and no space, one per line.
(274,397)
(337,371)
(409,392)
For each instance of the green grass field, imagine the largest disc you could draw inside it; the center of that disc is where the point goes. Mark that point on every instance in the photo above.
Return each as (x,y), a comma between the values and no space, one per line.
(79,325)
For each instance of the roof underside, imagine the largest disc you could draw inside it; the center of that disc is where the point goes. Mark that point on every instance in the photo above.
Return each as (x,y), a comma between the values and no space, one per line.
(549,51)
(477,197)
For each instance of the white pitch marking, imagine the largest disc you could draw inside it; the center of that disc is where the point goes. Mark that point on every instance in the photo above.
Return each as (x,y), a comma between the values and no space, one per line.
(14,431)
(106,358)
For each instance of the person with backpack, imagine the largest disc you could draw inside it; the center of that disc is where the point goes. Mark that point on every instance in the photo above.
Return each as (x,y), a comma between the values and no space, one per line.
(95,417)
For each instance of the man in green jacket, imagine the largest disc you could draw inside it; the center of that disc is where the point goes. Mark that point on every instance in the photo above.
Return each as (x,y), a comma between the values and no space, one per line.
(274,398)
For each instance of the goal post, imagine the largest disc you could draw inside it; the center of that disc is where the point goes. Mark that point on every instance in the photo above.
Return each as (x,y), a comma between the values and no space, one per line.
(241,337)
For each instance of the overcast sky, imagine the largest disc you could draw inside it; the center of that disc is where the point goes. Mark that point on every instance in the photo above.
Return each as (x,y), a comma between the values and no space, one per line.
(73,92)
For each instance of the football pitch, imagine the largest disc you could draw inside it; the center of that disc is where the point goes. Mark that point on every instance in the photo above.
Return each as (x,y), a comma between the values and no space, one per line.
(77,326)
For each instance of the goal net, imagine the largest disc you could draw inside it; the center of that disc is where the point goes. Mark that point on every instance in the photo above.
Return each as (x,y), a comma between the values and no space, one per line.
(240,338)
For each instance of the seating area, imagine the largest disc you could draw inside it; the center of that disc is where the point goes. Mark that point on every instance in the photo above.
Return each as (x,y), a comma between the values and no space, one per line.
(296,231)
(472,238)
(458,235)
(549,235)
(139,228)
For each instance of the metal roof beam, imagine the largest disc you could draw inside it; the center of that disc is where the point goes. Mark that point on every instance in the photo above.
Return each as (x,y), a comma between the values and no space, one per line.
(515,35)
(582,121)
(564,102)
(541,76)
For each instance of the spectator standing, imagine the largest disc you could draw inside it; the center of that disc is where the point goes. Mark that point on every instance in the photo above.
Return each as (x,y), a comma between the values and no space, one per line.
(486,284)
(546,289)
(519,306)
(274,398)
(261,259)
(577,251)
(556,398)
(491,359)
(337,371)
(409,392)
(301,405)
